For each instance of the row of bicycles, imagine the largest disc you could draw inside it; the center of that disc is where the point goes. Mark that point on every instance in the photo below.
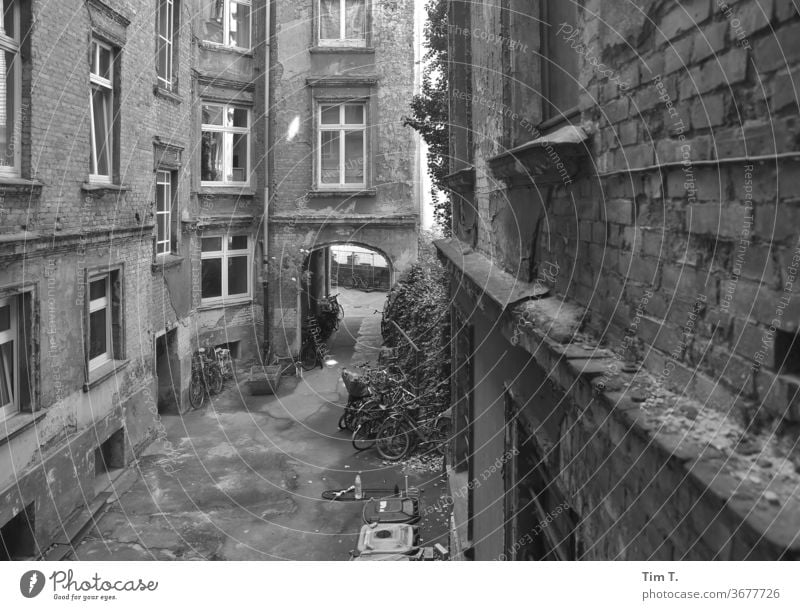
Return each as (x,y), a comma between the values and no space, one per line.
(210,369)
(318,329)
(382,412)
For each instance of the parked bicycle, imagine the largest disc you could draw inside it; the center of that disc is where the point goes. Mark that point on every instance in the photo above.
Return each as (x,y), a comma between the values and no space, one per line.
(403,432)
(206,378)
(371,417)
(225,362)
(313,349)
(331,313)
(356,281)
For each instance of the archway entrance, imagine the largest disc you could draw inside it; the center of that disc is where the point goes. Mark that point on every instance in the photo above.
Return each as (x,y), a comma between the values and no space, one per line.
(356,276)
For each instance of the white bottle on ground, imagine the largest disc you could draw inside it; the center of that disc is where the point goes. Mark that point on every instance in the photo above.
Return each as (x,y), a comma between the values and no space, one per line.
(359,493)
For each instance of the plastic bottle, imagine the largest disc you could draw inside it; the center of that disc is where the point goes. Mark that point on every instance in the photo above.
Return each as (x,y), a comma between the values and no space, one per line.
(359,492)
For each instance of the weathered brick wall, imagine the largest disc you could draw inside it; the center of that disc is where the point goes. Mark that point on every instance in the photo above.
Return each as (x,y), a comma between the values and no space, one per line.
(680,239)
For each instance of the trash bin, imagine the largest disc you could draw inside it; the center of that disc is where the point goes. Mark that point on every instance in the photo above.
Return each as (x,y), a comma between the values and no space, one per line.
(391,510)
(396,538)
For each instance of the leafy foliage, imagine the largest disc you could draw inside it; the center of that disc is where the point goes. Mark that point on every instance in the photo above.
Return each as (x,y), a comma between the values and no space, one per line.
(419,305)
(429,109)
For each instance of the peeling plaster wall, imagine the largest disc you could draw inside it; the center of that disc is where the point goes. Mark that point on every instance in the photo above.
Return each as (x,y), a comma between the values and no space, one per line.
(385,219)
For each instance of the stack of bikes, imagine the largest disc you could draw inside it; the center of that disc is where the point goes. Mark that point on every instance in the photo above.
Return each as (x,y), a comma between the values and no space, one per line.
(383,412)
(210,368)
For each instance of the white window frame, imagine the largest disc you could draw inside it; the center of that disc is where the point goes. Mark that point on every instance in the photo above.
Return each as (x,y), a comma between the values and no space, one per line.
(226,25)
(166,81)
(341,41)
(223,255)
(10,42)
(12,334)
(227,143)
(97,305)
(108,84)
(164,180)
(341,127)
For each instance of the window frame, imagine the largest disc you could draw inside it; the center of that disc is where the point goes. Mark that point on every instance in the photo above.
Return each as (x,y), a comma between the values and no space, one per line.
(342,41)
(223,255)
(169,212)
(93,307)
(13,44)
(550,116)
(226,24)
(341,128)
(168,82)
(13,407)
(205,127)
(95,80)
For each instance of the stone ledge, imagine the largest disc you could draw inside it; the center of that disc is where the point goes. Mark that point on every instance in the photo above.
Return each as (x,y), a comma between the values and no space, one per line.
(677,428)
(17,424)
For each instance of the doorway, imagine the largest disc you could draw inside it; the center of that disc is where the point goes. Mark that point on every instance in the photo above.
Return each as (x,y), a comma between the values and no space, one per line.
(168,372)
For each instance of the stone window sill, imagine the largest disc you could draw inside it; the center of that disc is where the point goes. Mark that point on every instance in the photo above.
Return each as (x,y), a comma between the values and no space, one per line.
(218,46)
(168,94)
(9,185)
(103,372)
(344,193)
(166,261)
(17,424)
(240,191)
(208,306)
(344,49)
(101,187)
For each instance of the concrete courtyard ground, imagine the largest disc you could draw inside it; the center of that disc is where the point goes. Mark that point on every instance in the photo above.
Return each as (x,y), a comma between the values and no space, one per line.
(244,475)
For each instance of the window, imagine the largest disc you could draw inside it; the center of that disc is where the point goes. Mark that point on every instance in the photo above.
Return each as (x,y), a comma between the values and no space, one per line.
(225,267)
(165,198)
(99,321)
(10,89)
(225,154)
(343,23)
(342,145)
(559,61)
(9,358)
(228,23)
(101,109)
(15,330)
(166,31)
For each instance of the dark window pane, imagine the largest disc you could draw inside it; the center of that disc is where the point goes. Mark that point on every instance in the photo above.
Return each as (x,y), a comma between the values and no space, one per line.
(329,19)
(211,244)
(238,117)
(354,156)
(237,242)
(9,21)
(355,20)
(239,158)
(97,289)
(211,278)
(98,339)
(212,115)
(211,157)
(101,115)
(240,25)
(330,115)
(5,317)
(354,114)
(163,219)
(105,63)
(330,157)
(9,140)
(6,373)
(237,275)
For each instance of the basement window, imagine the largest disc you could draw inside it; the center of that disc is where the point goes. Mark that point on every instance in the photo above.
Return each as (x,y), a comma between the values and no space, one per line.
(109,460)
(17,540)
(787,352)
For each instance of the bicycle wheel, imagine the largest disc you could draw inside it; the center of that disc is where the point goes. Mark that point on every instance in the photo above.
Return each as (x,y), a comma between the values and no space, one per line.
(394,440)
(339,312)
(342,423)
(363,436)
(440,436)
(197,393)
(308,356)
(214,380)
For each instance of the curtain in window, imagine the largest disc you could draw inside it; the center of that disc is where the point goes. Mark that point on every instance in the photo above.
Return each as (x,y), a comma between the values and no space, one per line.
(329,19)
(6,374)
(213,25)
(355,20)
